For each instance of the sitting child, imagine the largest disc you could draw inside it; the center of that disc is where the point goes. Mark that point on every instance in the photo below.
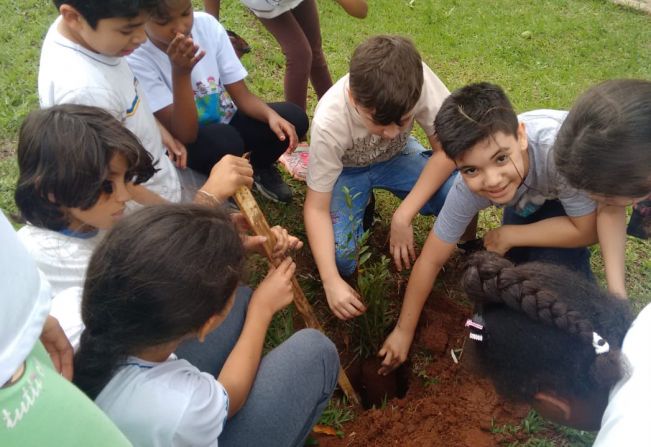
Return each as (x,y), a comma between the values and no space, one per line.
(604,148)
(360,141)
(77,167)
(548,337)
(38,405)
(146,293)
(190,72)
(504,160)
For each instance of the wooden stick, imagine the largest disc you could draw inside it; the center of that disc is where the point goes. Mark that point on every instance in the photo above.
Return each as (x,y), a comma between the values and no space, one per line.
(260,227)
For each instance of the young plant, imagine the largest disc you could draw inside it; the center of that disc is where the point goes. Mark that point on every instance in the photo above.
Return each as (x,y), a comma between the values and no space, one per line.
(373,282)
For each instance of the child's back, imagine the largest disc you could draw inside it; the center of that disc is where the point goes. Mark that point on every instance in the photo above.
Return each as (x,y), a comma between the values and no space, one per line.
(71,73)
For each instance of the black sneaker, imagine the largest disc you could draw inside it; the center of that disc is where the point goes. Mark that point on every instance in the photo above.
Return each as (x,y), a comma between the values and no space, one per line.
(271,185)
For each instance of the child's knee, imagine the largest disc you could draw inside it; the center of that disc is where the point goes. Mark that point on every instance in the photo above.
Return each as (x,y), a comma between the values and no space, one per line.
(321,349)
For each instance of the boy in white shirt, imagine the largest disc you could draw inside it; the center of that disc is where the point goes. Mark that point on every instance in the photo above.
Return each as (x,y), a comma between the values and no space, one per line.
(82,62)
(361,141)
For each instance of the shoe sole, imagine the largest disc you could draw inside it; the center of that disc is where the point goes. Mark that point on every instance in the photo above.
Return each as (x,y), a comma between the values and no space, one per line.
(269,195)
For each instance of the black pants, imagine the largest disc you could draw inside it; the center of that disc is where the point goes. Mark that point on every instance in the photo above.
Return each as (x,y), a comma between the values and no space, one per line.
(244,134)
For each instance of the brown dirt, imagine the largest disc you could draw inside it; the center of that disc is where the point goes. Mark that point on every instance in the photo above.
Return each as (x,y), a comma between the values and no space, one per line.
(446,405)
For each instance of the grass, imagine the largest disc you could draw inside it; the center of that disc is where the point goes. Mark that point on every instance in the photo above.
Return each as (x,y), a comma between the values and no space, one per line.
(543,53)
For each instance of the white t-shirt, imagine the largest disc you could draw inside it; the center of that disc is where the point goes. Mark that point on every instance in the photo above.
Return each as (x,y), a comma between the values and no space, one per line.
(268,9)
(165,404)
(62,258)
(542,182)
(339,138)
(70,73)
(220,66)
(626,419)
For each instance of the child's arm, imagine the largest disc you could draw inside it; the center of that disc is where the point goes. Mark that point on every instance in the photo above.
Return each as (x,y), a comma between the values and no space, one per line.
(436,172)
(252,106)
(611,229)
(342,299)
(175,149)
(241,367)
(142,195)
(396,347)
(181,116)
(212,7)
(226,176)
(355,8)
(562,231)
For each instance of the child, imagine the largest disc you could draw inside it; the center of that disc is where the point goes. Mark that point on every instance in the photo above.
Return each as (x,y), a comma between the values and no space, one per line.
(295,25)
(77,167)
(147,292)
(82,62)
(38,405)
(507,161)
(604,148)
(189,72)
(548,337)
(360,141)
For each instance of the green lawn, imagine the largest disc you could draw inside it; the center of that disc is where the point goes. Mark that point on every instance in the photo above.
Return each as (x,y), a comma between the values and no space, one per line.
(543,53)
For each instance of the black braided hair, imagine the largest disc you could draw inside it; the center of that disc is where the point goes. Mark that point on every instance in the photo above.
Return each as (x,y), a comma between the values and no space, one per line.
(539,324)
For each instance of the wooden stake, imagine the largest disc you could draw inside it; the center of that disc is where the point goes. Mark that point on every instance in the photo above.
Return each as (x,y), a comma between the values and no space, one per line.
(260,227)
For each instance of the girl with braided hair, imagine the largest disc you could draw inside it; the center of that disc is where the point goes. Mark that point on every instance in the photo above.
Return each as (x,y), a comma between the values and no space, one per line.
(548,337)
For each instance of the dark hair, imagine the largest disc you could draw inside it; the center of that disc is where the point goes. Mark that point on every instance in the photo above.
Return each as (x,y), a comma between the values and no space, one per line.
(158,275)
(386,76)
(64,154)
(604,144)
(95,10)
(163,7)
(539,321)
(472,114)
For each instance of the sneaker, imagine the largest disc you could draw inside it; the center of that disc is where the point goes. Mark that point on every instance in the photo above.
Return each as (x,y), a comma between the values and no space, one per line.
(271,185)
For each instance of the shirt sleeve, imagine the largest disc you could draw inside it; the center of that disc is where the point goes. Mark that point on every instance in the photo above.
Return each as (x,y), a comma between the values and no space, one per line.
(433,94)
(460,207)
(156,92)
(205,415)
(231,69)
(325,161)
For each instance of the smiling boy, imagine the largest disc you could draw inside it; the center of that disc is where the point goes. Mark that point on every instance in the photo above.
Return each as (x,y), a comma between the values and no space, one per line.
(82,62)
(361,140)
(506,161)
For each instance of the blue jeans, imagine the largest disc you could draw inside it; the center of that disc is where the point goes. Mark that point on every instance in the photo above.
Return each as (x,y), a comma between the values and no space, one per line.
(397,175)
(575,259)
(291,389)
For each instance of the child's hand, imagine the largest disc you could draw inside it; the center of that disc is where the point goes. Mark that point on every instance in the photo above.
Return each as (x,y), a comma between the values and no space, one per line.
(343,299)
(275,291)
(401,243)
(497,240)
(175,149)
(394,350)
(227,176)
(284,129)
(284,242)
(184,54)
(57,345)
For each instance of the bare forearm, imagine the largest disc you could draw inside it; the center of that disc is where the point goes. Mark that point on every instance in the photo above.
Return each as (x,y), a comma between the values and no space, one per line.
(142,195)
(355,8)
(254,107)
(436,171)
(611,229)
(321,238)
(553,232)
(212,7)
(420,285)
(184,119)
(241,366)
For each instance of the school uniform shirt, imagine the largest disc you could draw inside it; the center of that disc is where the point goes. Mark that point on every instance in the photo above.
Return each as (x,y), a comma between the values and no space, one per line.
(220,66)
(43,408)
(542,182)
(626,419)
(268,9)
(165,404)
(70,73)
(339,138)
